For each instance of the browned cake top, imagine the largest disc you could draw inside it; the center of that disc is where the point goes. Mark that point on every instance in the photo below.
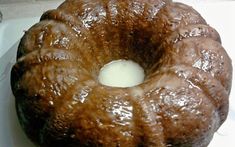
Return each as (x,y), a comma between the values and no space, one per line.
(182,102)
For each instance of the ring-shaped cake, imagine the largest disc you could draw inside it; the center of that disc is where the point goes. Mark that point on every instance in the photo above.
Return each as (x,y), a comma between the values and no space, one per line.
(182,101)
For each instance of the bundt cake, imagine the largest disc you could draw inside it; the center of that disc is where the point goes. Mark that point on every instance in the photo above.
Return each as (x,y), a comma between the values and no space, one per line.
(181,103)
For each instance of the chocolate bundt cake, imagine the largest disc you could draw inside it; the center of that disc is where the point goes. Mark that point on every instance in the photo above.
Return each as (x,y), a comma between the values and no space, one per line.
(181,103)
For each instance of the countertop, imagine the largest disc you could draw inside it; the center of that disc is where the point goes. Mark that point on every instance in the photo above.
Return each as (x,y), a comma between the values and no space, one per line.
(27,9)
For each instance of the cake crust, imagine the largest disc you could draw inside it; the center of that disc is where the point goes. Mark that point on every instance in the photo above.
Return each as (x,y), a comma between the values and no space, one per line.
(181,103)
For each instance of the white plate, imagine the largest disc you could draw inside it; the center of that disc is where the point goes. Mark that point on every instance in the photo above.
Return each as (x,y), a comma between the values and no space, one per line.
(219,15)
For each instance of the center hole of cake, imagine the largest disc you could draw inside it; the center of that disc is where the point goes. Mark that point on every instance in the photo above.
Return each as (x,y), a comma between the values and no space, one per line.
(121,73)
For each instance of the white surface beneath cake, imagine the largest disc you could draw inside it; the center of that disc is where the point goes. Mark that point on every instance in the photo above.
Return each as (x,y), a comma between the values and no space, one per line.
(121,73)
(218,15)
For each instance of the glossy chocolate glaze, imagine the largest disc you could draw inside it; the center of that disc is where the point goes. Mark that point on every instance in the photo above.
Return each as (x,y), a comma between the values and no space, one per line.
(182,102)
